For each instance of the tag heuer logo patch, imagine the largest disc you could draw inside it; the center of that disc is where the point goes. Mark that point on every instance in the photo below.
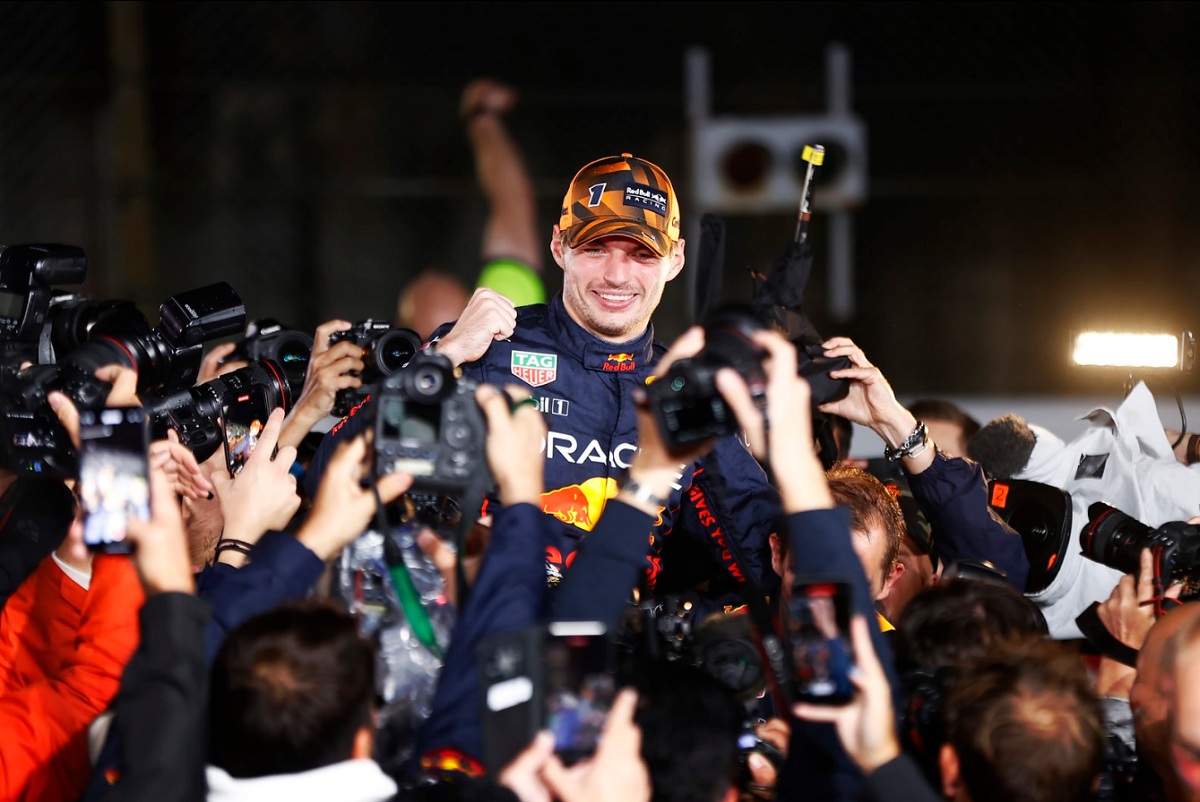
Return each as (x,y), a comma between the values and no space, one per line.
(534,369)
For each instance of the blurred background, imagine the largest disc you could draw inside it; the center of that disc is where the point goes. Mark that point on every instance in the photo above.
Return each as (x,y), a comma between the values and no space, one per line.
(1016,171)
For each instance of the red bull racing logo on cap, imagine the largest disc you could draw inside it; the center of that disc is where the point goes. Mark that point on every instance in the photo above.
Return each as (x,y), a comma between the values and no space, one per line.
(533,368)
(620,362)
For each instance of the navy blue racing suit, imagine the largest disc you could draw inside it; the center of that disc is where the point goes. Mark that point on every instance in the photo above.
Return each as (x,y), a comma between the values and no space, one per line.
(583,386)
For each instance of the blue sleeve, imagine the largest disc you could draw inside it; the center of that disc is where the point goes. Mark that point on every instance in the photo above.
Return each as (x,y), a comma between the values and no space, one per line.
(817,767)
(953,495)
(280,568)
(354,422)
(508,594)
(606,568)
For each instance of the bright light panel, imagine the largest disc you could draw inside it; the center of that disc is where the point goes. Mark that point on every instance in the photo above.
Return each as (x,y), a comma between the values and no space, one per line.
(1126,350)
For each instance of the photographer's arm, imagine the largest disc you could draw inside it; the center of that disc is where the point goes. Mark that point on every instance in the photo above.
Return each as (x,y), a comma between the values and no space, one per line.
(952,492)
(510,591)
(330,369)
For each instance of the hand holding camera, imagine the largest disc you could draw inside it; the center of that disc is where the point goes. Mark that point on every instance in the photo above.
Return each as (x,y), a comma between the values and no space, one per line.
(334,366)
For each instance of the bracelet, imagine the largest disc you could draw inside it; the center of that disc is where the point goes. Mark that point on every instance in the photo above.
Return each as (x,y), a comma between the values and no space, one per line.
(918,438)
(230,544)
(1193,449)
(642,494)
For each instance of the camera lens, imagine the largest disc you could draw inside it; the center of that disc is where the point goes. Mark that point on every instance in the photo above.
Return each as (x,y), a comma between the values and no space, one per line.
(1115,539)
(393,350)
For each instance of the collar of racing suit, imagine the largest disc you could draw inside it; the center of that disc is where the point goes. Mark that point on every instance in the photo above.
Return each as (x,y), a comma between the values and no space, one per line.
(595,353)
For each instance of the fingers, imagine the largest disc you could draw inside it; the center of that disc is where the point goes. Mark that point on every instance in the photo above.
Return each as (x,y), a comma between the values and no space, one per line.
(124,385)
(620,734)
(67,414)
(264,449)
(737,397)
(690,343)
(321,336)
(210,366)
(1145,577)
(844,346)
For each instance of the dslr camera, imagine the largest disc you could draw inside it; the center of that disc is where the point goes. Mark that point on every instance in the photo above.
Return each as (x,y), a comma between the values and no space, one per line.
(428,424)
(1115,539)
(195,413)
(386,349)
(686,402)
(269,340)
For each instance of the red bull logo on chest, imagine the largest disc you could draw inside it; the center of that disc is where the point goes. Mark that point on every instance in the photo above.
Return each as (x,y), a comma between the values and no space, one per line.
(533,368)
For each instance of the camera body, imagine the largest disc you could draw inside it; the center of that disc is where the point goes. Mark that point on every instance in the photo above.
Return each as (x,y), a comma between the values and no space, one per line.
(28,274)
(428,424)
(386,349)
(195,413)
(269,340)
(1115,539)
(686,402)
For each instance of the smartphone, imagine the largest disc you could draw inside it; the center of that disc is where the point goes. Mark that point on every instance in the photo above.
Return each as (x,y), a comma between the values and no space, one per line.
(819,639)
(579,687)
(243,415)
(114,483)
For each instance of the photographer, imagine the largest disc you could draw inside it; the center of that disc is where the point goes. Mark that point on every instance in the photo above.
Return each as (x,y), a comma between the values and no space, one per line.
(952,492)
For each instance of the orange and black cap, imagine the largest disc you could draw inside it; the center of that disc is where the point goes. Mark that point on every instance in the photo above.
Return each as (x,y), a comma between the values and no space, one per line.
(621,196)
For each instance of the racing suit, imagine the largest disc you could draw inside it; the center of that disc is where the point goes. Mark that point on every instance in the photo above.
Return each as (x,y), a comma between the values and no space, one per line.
(583,386)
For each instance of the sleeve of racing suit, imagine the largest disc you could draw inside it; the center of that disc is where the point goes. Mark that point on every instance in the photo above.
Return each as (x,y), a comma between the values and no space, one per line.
(733,508)
(508,594)
(605,569)
(953,495)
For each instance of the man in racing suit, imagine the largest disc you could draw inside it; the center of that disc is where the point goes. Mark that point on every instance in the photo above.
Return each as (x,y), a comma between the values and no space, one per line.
(618,244)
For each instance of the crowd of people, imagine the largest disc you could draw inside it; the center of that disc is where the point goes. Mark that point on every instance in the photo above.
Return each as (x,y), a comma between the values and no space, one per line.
(223,660)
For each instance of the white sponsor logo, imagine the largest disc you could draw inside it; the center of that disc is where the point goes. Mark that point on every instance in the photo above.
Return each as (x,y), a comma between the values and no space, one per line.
(554,406)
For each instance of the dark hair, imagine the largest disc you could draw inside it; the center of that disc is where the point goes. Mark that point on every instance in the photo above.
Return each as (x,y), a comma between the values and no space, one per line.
(870,505)
(928,409)
(1026,724)
(1003,447)
(958,620)
(690,724)
(289,691)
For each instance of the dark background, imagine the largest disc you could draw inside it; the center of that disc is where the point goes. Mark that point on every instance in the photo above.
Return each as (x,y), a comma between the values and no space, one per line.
(1032,166)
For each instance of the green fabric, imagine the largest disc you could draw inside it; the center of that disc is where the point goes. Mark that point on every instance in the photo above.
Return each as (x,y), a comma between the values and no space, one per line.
(513,280)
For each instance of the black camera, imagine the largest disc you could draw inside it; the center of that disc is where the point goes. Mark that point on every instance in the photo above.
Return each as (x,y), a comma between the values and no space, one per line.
(194,413)
(428,424)
(686,402)
(92,334)
(27,276)
(386,349)
(268,339)
(1115,539)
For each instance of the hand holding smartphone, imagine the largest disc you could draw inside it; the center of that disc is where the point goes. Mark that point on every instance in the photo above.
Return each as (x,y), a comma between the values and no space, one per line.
(114,483)
(243,416)
(819,637)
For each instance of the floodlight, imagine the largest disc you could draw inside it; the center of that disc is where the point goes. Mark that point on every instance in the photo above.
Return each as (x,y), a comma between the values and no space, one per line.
(1158,351)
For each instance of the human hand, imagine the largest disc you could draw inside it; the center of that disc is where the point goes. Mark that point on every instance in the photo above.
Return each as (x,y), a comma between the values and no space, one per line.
(445,559)
(263,495)
(343,508)
(1129,611)
(211,367)
(617,770)
(330,368)
(871,400)
(186,476)
(514,441)
(122,392)
(764,774)
(655,466)
(784,436)
(486,94)
(866,726)
(488,316)
(160,551)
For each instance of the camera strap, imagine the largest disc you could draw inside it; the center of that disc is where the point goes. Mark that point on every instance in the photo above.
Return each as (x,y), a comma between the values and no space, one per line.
(1102,640)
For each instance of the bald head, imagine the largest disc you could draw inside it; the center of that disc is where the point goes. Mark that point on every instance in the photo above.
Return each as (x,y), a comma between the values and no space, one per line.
(429,300)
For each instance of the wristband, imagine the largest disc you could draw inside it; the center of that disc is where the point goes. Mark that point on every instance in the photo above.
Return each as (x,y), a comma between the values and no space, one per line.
(642,494)
(230,544)
(917,440)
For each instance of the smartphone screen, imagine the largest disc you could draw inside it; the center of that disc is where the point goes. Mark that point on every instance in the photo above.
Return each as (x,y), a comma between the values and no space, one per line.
(113,475)
(819,637)
(580,684)
(243,416)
